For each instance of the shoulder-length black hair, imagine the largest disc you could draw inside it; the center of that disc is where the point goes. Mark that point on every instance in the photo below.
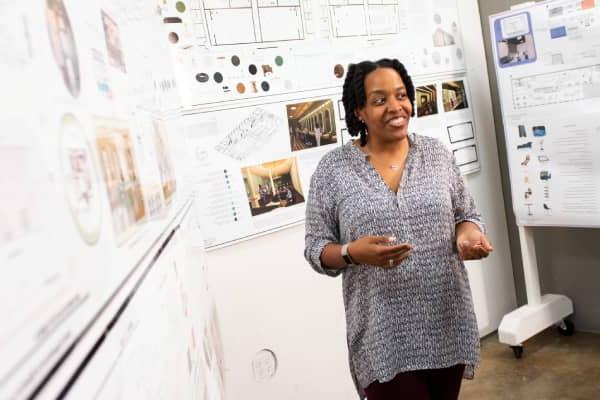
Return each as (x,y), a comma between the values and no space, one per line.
(354,96)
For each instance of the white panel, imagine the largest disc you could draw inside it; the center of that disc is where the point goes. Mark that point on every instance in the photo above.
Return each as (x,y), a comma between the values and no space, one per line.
(221,21)
(349,21)
(281,23)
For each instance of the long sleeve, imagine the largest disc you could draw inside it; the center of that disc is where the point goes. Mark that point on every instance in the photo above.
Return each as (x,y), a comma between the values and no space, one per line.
(321,223)
(462,201)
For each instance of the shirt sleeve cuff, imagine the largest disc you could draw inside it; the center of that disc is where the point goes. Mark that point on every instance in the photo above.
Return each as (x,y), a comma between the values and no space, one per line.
(479,224)
(315,259)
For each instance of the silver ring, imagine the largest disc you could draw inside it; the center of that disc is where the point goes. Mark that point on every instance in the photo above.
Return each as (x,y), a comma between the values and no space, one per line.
(391,262)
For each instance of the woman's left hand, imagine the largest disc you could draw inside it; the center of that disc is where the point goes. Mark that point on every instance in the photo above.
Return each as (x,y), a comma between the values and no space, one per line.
(472,244)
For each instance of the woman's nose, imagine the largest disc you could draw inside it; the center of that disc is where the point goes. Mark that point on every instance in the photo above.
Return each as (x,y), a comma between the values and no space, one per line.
(394,105)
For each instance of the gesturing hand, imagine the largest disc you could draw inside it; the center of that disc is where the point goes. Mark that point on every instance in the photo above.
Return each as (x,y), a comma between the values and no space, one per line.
(472,244)
(377,250)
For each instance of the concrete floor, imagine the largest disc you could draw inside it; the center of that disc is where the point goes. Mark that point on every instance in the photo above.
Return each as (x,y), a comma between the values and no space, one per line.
(552,367)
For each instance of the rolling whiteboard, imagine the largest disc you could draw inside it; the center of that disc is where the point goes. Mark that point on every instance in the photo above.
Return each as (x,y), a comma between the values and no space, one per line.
(548,67)
(93,178)
(262,101)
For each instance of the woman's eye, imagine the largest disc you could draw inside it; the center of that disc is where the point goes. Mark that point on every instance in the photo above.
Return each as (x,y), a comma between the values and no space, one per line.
(401,96)
(378,101)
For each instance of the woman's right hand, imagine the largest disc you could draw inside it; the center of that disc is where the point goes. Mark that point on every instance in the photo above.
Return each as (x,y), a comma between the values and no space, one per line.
(378,251)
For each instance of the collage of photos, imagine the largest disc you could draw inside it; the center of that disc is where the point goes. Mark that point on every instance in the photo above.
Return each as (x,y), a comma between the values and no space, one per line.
(115,150)
(454,98)
(272,185)
(311,124)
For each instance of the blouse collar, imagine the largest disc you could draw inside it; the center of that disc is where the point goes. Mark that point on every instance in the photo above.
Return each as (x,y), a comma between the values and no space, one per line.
(412,139)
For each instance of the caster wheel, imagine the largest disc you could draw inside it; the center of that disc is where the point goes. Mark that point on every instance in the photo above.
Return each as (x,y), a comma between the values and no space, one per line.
(566,328)
(517,351)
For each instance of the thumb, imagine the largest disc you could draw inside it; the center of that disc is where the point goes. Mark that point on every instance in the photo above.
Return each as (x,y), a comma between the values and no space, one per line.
(486,244)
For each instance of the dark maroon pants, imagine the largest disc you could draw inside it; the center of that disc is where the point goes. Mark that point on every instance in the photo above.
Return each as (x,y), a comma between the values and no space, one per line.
(427,384)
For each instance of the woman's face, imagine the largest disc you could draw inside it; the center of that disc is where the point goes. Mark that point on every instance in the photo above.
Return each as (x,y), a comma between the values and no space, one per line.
(387,109)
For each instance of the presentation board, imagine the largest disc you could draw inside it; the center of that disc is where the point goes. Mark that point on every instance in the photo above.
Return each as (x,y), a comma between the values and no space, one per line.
(262,102)
(93,172)
(166,343)
(548,70)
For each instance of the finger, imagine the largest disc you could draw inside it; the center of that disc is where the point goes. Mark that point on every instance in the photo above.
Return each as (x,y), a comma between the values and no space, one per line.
(395,252)
(404,257)
(483,253)
(466,253)
(475,253)
(380,239)
(485,243)
(397,256)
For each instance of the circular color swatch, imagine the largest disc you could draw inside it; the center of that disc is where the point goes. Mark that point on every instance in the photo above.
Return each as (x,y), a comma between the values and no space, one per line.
(265,86)
(338,70)
(79,175)
(252,69)
(240,88)
(180,6)
(202,77)
(279,60)
(235,60)
(173,37)
(218,77)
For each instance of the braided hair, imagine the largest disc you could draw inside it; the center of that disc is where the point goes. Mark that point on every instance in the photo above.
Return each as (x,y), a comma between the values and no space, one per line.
(354,96)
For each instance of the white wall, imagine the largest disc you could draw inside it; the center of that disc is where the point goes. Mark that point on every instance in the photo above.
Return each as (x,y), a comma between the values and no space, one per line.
(268,297)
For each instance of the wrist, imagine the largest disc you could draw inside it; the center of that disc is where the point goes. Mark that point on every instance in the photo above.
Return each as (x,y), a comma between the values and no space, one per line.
(346,254)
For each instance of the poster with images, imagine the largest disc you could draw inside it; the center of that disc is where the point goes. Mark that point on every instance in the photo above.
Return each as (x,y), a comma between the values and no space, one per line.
(258,166)
(123,186)
(546,79)
(447,115)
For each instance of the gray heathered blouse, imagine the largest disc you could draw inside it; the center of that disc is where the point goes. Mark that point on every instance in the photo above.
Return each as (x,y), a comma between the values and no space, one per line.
(418,315)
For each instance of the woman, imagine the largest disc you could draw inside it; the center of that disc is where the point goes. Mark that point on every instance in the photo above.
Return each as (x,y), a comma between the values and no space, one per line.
(318,134)
(390,212)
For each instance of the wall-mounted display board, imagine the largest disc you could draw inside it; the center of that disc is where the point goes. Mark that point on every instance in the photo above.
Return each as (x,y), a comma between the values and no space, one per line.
(262,102)
(93,172)
(548,67)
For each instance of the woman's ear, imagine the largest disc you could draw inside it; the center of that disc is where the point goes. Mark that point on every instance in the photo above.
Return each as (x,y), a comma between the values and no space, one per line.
(358,114)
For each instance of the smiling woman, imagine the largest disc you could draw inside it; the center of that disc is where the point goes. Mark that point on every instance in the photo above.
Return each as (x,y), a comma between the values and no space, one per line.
(392,214)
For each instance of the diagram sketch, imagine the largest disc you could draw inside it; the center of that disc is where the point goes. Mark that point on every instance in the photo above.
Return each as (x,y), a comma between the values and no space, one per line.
(383,19)
(348,20)
(265,21)
(252,132)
